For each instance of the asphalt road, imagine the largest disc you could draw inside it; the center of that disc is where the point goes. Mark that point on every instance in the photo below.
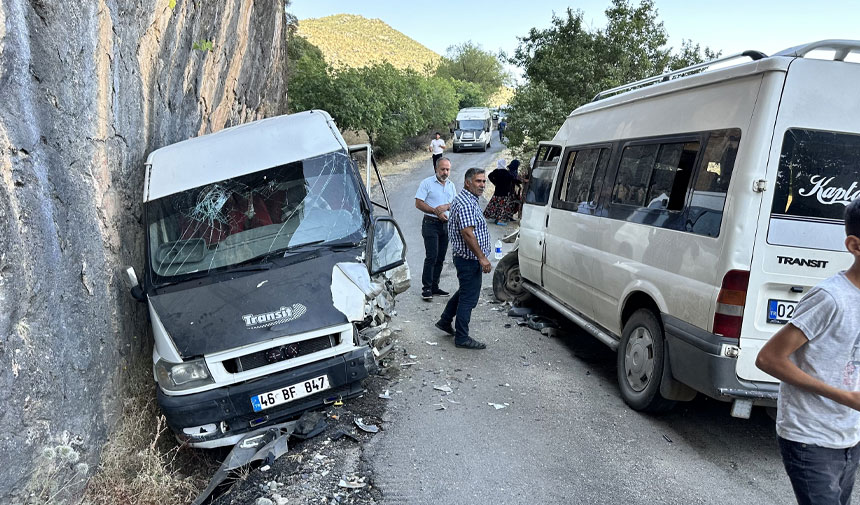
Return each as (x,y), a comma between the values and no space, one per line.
(564,434)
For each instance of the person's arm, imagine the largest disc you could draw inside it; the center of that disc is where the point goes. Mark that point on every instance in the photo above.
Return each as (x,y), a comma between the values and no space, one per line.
(468,235)
(773,359)
(438,211)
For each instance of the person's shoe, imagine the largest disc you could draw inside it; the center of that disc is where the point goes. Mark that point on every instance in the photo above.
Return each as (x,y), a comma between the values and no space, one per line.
(441,292)
(447,328)
(426,295)
(470,343)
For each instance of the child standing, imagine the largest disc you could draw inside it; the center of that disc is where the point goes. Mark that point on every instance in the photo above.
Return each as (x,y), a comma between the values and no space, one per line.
(817,358)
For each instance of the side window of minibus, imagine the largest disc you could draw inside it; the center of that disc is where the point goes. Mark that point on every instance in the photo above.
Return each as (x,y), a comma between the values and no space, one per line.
(705,213)
(564,176)
(540,178)
(579,183)
(631,183)
(671,177)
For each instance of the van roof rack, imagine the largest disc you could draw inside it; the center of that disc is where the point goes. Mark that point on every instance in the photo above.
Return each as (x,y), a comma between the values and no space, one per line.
(842,48)
(753,55)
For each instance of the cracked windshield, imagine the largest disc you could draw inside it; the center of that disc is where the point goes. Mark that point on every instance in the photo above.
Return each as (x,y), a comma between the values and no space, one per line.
(315,201)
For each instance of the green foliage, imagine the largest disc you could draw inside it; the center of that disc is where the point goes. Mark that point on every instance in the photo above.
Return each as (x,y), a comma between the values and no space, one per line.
(469,63)
(203,45)
(567,64)
(469,94)
(389,104)
(534,114)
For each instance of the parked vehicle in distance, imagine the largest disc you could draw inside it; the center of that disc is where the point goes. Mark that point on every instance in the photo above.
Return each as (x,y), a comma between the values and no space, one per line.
(269,280)
(472,129)
(680,222)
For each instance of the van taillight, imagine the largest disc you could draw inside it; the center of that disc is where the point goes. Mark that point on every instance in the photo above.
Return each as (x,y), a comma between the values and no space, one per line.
(730,304)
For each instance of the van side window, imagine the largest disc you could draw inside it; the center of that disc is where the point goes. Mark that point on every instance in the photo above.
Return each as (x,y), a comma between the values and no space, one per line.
(566,174)
(634,173)
(671,177)
(583,174)
(540,178)
(705,213)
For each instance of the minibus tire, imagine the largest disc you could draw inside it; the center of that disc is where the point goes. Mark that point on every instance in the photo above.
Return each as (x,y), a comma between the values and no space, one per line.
(507,281)
(639,379)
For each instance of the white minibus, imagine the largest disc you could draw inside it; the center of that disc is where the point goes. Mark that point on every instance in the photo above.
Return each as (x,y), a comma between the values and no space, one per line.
(679,219)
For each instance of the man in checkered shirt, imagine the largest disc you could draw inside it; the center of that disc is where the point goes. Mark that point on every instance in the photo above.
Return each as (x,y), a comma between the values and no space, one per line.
(470,245)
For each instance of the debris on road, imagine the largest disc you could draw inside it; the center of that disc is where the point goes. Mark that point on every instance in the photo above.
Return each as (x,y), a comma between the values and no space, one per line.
(497,406)
(444,389)
(667,439)
(386,395)
(354,482)
(431,343)
(369,428)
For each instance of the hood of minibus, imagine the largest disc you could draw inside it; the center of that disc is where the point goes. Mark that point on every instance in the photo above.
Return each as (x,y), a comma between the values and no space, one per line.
(227,311)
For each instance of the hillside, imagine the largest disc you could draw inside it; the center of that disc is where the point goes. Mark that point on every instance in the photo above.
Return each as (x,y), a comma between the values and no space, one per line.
(348,40)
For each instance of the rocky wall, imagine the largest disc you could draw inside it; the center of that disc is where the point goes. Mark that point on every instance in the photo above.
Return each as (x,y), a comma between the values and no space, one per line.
(88,88)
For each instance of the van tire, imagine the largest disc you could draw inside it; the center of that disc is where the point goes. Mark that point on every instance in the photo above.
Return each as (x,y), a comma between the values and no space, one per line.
(507,281)
(641,358)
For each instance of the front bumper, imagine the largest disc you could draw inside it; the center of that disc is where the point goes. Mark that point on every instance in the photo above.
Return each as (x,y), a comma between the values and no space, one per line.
(222,416)
(470,144)
(697,359)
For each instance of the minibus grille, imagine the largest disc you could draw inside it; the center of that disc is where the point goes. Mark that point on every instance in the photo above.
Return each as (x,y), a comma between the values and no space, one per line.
(281,353)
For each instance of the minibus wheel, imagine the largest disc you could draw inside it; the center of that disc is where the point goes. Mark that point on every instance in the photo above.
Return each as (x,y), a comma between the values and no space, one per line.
(641,354)
(507,281)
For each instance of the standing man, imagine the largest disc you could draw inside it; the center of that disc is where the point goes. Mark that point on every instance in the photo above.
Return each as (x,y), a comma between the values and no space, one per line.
(433,198)
(470,241)
(437,145)
(817,358)
(503,123)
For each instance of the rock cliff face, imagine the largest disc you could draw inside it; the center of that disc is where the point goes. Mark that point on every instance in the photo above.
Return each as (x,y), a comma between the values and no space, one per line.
(88,88)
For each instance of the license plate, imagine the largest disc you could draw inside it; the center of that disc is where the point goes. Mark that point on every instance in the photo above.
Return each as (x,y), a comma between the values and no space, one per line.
(467,145)
(780,311)
(290,393)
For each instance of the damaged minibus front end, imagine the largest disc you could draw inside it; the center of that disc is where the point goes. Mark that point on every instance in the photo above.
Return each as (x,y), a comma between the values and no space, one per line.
(269,280)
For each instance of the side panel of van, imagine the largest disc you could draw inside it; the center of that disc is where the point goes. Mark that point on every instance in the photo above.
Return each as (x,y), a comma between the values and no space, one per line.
(812,173)
(680,270)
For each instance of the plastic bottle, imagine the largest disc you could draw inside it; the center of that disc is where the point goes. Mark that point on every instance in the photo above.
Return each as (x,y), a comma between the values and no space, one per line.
(498,249)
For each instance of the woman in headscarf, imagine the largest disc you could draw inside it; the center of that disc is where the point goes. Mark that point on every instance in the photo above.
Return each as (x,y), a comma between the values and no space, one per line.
(505,202)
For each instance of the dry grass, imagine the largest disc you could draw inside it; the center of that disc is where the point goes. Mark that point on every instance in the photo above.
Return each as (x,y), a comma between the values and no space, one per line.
(142,463)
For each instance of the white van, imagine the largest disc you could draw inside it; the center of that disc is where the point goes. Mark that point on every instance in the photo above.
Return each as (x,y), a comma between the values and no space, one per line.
(680,222)
(472,129)
(269,279)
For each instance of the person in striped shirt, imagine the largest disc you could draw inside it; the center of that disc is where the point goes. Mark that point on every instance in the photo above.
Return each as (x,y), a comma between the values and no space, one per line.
(470,246)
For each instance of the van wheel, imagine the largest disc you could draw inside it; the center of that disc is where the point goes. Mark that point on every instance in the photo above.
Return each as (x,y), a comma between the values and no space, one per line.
(507,281)
(640,363)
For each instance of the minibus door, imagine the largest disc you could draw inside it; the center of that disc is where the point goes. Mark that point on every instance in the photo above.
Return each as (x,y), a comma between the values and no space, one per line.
(536,193)
(812,174)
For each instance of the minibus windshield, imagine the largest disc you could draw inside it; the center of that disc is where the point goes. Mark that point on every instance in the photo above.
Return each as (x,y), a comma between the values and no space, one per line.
(315,201)
(471,124)
(819,175)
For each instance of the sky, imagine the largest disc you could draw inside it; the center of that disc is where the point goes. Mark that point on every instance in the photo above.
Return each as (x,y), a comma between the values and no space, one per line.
(730,26)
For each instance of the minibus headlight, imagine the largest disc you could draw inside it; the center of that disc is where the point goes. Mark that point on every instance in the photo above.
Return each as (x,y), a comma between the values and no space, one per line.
(181,376)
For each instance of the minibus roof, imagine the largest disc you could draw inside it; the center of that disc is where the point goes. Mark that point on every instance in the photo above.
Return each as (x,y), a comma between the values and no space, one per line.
(240,150)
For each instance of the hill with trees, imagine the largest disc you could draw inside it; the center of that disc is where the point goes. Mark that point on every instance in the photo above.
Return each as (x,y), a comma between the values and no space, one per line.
(351,41)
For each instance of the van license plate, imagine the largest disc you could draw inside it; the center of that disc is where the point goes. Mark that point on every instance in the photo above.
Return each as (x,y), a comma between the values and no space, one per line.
(780,311)
(467,145)
(290,393)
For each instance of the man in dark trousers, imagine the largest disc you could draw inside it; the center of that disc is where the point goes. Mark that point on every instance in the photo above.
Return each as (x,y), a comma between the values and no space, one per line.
(433,198)
(470,245)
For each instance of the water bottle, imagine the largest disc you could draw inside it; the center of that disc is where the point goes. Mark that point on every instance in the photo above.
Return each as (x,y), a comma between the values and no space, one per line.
(498,249)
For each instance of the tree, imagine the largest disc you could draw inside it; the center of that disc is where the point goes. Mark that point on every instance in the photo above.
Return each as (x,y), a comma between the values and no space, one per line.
(468,62)
(567,64)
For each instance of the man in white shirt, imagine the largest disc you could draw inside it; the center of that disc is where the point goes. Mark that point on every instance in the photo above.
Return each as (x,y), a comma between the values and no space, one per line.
(437,145)
(433,198)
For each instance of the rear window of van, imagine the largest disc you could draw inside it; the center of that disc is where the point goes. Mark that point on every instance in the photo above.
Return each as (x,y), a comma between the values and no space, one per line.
(818,176)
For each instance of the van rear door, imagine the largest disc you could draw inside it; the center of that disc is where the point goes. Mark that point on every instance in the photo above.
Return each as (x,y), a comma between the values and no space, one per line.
(813,173)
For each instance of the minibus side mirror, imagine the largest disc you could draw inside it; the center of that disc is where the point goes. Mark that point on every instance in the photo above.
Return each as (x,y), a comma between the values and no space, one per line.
(130,278)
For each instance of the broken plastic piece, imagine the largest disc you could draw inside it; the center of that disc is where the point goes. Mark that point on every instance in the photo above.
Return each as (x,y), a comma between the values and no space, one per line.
(369,428)
(385,396)
(549,332)
(353,483)
(431,343)
(310,424)
(342,432)
(519,312)
(444,389)
(496,406)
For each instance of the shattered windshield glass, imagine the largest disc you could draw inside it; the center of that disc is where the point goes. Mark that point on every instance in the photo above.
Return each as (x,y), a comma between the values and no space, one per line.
(314,201)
